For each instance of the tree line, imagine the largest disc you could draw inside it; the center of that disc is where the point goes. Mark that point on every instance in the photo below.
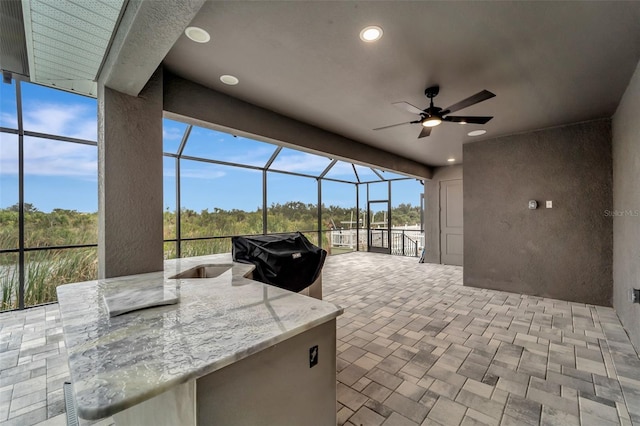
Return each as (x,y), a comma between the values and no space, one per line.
(62,227)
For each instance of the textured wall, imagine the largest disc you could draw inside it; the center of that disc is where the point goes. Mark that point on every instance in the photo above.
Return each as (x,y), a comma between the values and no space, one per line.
(432,209)
(626,202)
(564,252)
(130,181)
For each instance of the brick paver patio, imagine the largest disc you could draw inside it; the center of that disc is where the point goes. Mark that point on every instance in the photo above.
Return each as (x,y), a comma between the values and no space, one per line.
(415,347)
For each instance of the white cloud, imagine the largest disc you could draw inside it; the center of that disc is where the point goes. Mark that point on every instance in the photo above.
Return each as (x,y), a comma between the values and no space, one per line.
(300,163)
(201,174)
(9,120)
(74,120)
(45,157)
(256,157)
(172,133)
(87,129)
(343,170)
(194,173)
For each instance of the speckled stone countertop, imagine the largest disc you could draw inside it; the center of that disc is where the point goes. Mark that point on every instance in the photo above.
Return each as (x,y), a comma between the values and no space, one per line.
(118,362)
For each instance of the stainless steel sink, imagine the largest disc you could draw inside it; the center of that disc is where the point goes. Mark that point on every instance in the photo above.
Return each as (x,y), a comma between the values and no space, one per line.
(204,271)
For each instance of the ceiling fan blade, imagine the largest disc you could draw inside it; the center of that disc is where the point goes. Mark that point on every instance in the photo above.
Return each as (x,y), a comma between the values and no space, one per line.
(395,125)
(408,107)
(426,131)
(466,120)
(471,100)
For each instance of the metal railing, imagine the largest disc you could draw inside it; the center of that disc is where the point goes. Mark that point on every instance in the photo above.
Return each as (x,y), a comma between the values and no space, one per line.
(404,245)
(404,242)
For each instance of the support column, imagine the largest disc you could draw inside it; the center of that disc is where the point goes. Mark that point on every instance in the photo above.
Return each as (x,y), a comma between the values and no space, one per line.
(130,180)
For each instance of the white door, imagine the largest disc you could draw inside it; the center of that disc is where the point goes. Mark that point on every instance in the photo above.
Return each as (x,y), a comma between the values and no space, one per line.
(451,222)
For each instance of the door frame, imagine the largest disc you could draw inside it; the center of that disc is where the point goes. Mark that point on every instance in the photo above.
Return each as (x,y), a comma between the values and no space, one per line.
(370,247)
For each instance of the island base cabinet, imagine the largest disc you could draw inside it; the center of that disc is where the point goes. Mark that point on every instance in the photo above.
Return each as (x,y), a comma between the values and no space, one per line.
(286,384)
(173,407)
(276,386)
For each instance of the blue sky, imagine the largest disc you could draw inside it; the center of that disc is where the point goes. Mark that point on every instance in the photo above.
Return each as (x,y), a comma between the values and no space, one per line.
(64,175)
(57,174)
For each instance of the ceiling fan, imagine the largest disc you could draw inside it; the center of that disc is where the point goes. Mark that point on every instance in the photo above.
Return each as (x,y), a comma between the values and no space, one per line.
(433,116)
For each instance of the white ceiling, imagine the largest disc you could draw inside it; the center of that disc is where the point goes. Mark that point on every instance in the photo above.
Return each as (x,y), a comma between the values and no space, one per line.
(549,63)
(66,41)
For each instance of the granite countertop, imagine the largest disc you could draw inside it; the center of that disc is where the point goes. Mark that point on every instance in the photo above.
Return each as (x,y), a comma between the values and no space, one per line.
(117,362)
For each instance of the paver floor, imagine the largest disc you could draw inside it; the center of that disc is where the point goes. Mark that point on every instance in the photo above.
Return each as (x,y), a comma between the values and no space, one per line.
(415,347)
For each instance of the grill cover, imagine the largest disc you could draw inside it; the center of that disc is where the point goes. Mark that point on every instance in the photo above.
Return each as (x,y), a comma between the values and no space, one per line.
(288,261)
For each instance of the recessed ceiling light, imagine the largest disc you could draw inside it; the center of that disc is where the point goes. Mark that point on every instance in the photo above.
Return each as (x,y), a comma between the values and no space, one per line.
(371,33)
(451,160)
(197,34)
(229,79)
(477,132)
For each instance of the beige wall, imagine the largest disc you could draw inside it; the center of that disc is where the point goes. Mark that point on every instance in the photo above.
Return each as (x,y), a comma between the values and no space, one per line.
(626,203)
(564,252)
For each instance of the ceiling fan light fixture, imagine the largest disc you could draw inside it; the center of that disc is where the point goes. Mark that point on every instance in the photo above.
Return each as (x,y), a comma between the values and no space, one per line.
(371,33)
(432,116)
(431,121)
(197,34)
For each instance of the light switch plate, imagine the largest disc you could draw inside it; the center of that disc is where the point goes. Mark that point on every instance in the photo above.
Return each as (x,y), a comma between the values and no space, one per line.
(549,204)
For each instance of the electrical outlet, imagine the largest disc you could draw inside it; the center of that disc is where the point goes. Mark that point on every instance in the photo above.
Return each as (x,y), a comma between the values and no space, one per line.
(634,295)
(313,356)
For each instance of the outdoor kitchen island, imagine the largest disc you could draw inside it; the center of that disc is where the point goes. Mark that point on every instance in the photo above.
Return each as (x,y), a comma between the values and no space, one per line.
(230,351)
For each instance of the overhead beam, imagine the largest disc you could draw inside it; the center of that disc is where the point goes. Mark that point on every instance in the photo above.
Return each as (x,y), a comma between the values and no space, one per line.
(192,103)
(147,31)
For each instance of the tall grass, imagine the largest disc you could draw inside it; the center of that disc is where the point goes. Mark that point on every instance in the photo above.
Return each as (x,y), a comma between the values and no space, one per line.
(170,251)
(44,272)
(202,247)
(8,281)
